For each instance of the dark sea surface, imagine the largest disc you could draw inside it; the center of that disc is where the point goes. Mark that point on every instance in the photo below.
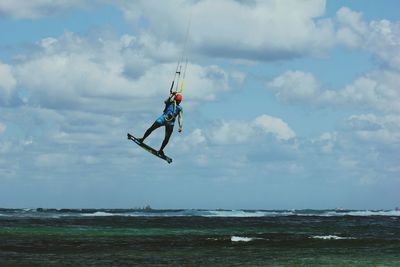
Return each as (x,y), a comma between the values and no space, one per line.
(128,237)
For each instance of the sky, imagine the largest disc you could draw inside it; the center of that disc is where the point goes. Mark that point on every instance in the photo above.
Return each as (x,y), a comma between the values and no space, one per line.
(288,104)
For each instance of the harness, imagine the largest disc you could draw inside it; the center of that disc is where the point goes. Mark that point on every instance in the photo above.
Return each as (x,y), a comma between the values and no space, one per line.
(167,116)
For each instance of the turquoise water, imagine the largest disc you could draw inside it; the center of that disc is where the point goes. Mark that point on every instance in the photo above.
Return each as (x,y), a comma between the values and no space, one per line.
(40,237)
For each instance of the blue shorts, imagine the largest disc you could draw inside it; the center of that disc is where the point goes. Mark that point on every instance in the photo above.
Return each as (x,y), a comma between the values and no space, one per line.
(163,121)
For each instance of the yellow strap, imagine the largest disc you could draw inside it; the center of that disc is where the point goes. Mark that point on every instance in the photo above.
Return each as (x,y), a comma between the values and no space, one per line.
(182,85)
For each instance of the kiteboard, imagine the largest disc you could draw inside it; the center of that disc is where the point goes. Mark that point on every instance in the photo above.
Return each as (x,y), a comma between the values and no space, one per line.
(149,149)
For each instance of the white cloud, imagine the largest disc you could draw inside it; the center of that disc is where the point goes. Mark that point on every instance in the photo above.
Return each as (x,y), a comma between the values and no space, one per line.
(383,40)
(195,138)
(7,83)
(351,27)
(295,86)
(348,163)
(191,141)
(366,144)
(232,132)
(110,74)
(89,159)
(279,29)
(5,147)
(377,90)
(325,142)
(205,83)
(39,8)
(376,129)
(2,128)
(259,30)
(202,160)
(51,160)
(276,126)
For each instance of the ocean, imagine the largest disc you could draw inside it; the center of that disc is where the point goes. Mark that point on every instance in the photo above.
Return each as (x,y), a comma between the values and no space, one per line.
(147,237)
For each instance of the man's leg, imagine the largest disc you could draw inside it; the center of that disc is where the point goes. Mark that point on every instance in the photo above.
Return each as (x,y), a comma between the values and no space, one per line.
(150,130)
(168,132)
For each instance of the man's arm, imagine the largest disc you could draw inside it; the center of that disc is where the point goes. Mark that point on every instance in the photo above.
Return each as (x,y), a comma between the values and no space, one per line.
(180,121)
(169,99)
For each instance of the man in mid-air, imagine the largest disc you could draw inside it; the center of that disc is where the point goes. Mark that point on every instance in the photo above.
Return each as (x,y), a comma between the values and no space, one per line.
(171,111)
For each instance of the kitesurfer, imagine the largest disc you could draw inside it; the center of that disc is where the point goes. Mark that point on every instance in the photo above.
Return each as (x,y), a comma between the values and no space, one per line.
(171,111)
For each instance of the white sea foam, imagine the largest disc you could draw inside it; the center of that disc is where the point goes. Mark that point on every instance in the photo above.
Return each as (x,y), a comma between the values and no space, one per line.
(242,213)
(234,213)
(29,209)
(241,239)
(375,213)
(100,214)
(335,213)
(330,213)
(330,237)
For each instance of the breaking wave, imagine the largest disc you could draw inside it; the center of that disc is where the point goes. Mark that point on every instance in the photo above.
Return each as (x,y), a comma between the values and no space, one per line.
(330,237)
